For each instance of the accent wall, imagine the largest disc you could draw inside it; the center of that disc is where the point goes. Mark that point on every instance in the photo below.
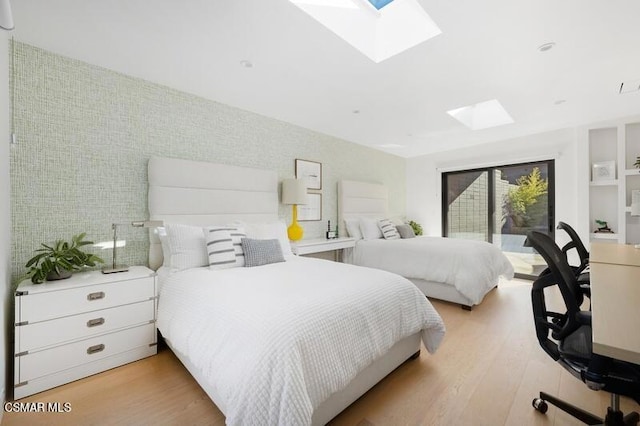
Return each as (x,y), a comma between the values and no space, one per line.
(85,135)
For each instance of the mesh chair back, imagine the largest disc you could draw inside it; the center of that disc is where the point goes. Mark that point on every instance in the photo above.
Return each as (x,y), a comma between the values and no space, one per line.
(576,243)
(561,275)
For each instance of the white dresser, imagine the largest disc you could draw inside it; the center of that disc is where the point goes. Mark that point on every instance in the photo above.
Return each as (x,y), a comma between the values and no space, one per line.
(73,328)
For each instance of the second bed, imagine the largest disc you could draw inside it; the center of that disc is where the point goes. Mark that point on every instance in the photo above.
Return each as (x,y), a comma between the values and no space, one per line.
(454,270)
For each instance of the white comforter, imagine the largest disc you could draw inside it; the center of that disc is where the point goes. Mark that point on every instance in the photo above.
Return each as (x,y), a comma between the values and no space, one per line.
(276,341)
(473,267)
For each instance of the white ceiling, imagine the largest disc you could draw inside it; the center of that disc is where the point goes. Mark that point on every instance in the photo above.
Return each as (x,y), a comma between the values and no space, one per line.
(304,74)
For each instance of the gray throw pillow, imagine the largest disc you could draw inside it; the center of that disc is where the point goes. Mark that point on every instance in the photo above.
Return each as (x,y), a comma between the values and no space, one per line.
(261,252)
(405,231)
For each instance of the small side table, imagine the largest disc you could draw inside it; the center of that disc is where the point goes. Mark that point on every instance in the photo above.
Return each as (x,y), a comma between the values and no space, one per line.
(69,329)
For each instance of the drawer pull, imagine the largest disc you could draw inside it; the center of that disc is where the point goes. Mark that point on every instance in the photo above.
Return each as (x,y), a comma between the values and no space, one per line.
(95,322)
(95,296)
(95,349)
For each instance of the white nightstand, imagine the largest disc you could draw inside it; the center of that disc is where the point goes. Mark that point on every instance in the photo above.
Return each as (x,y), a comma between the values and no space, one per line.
(321,245)
(73,328)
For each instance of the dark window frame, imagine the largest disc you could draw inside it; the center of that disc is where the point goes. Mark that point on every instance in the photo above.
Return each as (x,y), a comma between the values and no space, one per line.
(551,198)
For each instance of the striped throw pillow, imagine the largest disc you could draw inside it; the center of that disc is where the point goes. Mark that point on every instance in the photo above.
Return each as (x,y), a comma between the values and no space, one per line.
(224,246)
(389,231)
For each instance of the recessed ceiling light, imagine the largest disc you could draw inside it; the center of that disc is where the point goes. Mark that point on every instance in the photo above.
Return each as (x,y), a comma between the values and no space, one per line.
(246,64)
(482,115)
(547,46)
(560,101)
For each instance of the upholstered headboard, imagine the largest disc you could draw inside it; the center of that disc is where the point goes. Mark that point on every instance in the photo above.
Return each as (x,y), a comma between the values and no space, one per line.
(361,199)
(200,193)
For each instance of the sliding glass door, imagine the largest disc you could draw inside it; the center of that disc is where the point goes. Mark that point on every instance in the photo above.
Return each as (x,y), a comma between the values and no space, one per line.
(467,201)
(500,205)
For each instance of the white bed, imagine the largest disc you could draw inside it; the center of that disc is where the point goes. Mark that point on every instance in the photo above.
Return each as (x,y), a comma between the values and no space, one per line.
(458,271)
(287,343)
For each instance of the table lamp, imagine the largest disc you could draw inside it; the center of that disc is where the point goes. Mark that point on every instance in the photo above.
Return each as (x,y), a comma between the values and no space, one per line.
(138,224)
(294,192)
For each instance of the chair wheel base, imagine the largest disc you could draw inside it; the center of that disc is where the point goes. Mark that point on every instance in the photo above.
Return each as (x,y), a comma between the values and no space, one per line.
(540,405)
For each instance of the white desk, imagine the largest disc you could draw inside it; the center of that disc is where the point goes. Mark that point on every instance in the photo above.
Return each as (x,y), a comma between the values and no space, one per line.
(321,245)
(615,300)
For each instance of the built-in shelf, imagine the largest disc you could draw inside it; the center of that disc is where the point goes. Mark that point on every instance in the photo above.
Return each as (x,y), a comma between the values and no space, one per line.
(610,199)
(613,182)
(604,236)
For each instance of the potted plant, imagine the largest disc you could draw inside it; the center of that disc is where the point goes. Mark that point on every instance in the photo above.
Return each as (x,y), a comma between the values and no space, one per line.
(58,261)
(417,228)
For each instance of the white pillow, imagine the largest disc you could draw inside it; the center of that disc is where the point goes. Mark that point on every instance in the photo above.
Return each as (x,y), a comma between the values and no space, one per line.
(267,231)
(369,228)
(187,247)
(353,228)
(224,246)
(389,231)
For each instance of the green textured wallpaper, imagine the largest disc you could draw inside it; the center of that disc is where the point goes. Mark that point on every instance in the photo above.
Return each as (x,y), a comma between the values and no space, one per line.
(85,135)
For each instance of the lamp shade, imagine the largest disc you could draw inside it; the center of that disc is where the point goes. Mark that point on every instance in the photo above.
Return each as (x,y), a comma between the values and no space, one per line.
(6,17)
(294,191)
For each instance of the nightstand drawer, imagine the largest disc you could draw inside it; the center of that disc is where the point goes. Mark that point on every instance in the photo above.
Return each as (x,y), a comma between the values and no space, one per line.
(37,307)
(42,363)
(82,326)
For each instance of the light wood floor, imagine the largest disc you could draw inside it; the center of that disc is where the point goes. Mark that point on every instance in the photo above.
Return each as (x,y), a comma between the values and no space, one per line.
(486,372)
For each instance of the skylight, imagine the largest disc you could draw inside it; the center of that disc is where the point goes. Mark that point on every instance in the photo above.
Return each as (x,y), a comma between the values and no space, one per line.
(344,4)
(482,115)
(379,4)
(379,29)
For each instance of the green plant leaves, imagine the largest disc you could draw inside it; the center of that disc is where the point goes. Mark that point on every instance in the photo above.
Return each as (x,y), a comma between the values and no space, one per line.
(60,256)
(417,228)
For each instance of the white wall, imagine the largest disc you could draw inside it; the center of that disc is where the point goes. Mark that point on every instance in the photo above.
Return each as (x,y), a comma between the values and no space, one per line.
(424,184)
(5,216)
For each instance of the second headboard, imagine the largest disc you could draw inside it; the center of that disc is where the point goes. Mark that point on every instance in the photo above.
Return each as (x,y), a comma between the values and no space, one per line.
(361,199)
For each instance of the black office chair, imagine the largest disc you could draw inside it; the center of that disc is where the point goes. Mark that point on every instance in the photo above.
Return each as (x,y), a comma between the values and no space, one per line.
(572,346)
(575,243)
(584,280)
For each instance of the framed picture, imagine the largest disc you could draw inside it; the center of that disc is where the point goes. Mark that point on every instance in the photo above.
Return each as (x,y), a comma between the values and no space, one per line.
(311,171)
(603,171)
(312,210)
